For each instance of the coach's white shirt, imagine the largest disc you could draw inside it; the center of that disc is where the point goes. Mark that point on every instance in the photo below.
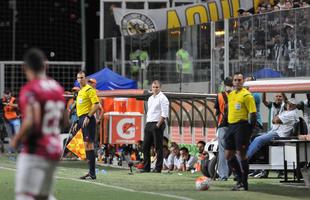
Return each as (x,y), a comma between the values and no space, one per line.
(158,106)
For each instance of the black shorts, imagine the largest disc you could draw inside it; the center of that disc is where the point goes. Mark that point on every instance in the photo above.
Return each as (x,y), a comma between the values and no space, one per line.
(89,131)
(238,136)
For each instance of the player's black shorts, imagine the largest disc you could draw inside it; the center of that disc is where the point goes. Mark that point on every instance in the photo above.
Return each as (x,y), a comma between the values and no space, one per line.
(238,136)
(89,131)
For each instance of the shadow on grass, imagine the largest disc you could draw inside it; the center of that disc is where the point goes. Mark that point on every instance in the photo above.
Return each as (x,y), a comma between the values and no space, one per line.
(279,189)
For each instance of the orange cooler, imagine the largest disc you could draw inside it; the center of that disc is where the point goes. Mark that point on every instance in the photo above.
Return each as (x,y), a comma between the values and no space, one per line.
(120,105)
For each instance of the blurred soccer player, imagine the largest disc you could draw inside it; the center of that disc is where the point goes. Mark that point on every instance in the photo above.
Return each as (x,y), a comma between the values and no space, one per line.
(42,105)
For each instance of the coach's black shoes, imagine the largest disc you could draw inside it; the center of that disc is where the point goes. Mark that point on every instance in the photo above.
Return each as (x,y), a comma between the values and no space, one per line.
(88,177)
(156,171)
(143,171)
(240,187)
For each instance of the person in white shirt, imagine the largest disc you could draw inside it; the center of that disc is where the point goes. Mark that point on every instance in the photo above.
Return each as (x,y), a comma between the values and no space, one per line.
(283,126)
(187,161)
(175,152)
(168,159)
(275,107)
(158,109)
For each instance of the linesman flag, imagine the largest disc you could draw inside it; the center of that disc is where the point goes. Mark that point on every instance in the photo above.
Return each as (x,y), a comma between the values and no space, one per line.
(76,145)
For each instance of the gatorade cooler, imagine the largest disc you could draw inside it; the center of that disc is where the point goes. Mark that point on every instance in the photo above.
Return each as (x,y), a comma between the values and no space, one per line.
(120,105)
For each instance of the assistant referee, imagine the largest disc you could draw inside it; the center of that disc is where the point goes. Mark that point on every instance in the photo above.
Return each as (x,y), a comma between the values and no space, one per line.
(241,105)
(87,103)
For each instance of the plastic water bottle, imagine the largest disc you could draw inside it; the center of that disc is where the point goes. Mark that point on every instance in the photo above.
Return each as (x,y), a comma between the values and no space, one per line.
(103,171)
(97,170)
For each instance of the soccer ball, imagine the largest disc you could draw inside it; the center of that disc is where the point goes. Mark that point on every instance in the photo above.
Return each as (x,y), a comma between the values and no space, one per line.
(202,183)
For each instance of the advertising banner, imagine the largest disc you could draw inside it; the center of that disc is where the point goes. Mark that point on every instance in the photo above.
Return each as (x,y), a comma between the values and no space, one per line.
(133,22)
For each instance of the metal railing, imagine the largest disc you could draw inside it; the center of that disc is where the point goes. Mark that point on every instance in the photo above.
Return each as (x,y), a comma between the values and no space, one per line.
(12,75)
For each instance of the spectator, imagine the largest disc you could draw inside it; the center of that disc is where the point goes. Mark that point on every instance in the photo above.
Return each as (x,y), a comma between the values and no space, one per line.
(10,114)
(277,49)
(281,5)
(292,48)
(221,107)
(168,159)
(99,113)
(165,141)
(175,151)
(139,150)
(2,128)
(304,4)
(242,12)
(71,106)
(202,154)
(297,4)
(153,158)
(201,147)
(257,99)
(283,126)
(92,82)
(187,161)
(184,63)
(275,107)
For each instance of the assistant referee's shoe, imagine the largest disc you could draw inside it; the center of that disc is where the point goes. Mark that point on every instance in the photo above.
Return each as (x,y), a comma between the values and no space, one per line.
(88,177)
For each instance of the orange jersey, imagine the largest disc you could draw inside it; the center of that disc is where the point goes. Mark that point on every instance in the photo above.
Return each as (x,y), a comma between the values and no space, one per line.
(10,111)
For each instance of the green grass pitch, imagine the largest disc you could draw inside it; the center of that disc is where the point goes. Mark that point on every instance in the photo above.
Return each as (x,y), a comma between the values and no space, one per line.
(118,184)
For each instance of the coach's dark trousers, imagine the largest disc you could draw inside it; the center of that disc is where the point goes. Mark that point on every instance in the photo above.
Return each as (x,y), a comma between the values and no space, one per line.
(153,136)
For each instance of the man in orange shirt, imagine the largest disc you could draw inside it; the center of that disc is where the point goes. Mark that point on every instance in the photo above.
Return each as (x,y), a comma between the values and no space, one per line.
(221,107)
(10,114)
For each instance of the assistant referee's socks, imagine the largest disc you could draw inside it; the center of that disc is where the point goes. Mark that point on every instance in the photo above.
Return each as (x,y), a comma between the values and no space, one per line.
(245,171)
(92,162)
(234,165)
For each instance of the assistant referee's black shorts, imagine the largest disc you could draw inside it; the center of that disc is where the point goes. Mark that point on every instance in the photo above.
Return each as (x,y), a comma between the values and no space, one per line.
(238,136)
(89,131)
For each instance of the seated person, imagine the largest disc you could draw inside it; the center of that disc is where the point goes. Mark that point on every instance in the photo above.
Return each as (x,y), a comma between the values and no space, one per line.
(168,159)
(201,148)
(153,157)
(203,155)
(283,126)
(175,152)
(187,161)
(139,151)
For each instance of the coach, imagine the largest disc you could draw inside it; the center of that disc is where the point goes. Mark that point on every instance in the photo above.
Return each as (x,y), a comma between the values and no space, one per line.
(158,106)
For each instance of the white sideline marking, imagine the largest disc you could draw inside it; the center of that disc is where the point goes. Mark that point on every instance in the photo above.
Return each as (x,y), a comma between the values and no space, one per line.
(115,187)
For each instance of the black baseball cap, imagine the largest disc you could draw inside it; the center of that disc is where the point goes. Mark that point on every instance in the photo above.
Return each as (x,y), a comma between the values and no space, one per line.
(228,81)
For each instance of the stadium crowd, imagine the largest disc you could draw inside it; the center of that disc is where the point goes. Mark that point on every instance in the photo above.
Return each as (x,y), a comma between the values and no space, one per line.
(259,42)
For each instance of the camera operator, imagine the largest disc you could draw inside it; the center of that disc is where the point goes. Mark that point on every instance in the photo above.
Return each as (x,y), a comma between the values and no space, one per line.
(2,128)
